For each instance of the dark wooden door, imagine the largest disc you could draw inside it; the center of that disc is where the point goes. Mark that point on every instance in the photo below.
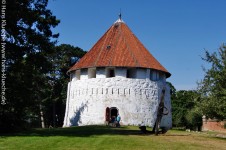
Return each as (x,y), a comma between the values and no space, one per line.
(107,114)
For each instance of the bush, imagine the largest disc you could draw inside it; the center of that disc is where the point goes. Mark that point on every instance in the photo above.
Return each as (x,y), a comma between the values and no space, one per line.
(194,120)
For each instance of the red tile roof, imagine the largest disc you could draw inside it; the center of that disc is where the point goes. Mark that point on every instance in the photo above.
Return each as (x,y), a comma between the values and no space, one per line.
(119,47)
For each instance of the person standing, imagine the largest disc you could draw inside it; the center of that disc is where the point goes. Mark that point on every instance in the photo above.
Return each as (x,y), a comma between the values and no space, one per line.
(118,119)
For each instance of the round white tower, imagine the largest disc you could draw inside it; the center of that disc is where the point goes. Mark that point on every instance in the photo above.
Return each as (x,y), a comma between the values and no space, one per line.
(118,75)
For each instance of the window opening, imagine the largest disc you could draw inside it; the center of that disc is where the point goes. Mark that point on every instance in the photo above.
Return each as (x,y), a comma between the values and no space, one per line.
(131,73)
(110,72)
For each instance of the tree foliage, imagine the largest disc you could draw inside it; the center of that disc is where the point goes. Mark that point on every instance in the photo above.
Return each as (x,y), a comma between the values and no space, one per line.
(213,86)
(35,67)
(29,41)
(63,57)
(184,107)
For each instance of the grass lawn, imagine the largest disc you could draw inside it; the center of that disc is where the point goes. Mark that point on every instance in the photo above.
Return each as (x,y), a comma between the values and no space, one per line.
(107,138)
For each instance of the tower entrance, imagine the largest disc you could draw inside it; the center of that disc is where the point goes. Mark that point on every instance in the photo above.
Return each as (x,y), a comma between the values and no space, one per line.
(111,113)
(114,111)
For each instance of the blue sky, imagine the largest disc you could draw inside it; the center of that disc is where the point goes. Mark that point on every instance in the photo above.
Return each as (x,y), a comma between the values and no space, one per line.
(176,32)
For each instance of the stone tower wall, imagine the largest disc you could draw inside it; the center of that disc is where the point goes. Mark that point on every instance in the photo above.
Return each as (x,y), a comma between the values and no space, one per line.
(136,99)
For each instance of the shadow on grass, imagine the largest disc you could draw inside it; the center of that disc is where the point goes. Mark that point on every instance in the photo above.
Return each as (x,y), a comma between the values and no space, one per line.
(177,134)
(79,131)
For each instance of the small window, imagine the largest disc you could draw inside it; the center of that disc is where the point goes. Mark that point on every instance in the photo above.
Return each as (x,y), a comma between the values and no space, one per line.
(110,72)
(84,74)
(131,73)
(108,47)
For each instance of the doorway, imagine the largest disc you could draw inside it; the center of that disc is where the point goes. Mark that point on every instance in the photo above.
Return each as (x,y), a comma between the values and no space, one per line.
(114,111)
(110,113)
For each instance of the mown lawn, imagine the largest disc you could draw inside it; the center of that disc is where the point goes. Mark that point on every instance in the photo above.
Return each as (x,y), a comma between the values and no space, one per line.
(107,138)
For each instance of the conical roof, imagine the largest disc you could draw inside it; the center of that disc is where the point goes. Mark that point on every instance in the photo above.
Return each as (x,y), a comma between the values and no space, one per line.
(119,47)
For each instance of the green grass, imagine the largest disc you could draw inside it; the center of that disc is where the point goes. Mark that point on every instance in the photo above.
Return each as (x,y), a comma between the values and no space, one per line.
(103,137)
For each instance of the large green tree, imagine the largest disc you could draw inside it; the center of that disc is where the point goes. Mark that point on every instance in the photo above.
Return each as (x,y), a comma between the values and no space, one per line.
(63,57)
(213,86)
(182,104)
(29,41)
(185,112)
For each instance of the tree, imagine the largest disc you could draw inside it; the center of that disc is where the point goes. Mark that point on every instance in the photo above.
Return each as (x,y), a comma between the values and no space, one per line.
(29,41)
(172,90)
(63,57)
(194,119)
(183,108)
(213,86)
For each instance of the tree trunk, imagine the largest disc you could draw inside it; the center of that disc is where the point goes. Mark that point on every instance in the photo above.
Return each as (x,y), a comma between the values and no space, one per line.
(41,116)
(54,114)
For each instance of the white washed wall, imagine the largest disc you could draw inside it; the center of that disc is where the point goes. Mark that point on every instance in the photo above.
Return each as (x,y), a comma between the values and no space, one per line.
(136,99)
